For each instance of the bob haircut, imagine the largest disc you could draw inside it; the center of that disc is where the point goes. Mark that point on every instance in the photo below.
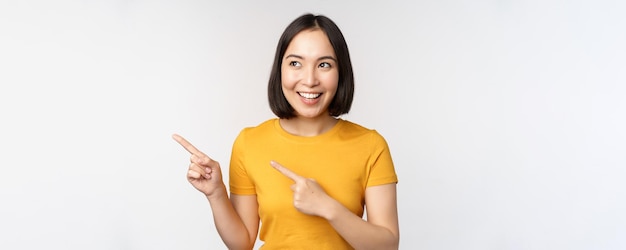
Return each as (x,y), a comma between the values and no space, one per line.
(345,89)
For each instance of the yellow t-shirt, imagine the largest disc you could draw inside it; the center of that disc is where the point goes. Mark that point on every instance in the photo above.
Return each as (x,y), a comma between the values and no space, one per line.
(344,161)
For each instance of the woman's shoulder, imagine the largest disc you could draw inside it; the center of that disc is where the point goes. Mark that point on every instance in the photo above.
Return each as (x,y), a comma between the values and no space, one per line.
(261,128)
(354,129)
(350,125)
(255,133)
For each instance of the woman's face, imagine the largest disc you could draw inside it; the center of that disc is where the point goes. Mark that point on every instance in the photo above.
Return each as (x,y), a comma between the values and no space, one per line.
(310,74)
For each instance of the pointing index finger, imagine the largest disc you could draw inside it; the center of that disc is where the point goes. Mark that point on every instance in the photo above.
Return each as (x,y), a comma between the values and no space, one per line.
(286,172)
(186,144)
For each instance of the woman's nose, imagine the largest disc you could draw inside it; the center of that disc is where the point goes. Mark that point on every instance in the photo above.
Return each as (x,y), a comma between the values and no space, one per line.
(310,78)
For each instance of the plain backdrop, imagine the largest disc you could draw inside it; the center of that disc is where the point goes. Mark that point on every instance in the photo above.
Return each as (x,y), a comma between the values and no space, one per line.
(505,118)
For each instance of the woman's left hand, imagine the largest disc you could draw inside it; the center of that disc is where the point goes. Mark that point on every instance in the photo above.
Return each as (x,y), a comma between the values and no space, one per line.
(308,196)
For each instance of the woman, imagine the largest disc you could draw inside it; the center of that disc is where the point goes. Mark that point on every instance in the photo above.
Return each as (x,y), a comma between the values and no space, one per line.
(306,175)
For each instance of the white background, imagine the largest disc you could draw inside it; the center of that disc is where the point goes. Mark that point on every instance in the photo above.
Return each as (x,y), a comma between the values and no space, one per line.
(506,119)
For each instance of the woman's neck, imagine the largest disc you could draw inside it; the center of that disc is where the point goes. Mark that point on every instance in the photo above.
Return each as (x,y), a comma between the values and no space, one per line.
(308,127)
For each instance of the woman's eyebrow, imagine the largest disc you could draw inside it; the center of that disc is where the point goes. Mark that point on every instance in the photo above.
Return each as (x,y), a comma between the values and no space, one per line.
(327,57)
(296,56)
(319,59)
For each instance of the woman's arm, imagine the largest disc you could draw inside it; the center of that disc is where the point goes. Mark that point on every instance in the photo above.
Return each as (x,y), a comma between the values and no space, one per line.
(380,231)
(236,219)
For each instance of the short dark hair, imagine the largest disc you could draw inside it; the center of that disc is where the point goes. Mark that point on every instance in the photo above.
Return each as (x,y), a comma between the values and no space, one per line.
(345,89)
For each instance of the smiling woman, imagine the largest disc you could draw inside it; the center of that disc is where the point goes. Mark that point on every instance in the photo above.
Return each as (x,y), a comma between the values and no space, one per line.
(306,176)
(309,79)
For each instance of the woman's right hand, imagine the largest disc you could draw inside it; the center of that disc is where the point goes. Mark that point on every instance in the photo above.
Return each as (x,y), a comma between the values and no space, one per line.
(204,173)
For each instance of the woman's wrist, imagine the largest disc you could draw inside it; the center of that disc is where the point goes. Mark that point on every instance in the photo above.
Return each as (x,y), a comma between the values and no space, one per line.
(217,194)
(332,209)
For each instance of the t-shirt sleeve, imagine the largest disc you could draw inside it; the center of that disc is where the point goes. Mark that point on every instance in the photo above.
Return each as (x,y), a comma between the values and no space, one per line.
(382,170)
(240,182)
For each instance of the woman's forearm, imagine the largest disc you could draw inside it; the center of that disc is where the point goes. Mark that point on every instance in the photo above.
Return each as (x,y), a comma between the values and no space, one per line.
(359,233)
(228,223)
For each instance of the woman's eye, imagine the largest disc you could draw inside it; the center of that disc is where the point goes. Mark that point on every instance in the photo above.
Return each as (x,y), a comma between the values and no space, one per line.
(294,63)
(325,65)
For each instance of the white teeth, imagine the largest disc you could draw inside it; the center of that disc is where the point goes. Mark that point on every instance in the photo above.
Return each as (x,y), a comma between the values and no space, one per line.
(309,95)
